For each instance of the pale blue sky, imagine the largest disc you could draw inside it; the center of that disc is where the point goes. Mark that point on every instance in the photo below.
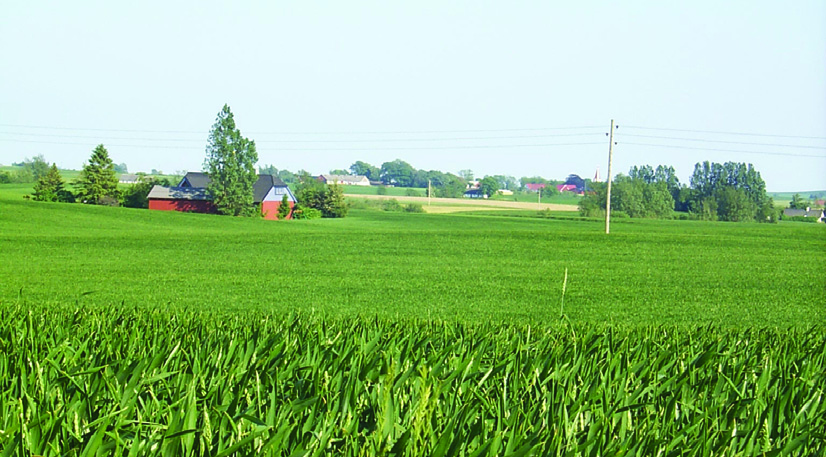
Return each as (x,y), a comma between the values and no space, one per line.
(474,75)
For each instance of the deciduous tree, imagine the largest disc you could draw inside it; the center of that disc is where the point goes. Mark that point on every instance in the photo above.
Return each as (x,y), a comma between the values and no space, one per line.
(398,173)
(365,169)
(329,200)
(489,185)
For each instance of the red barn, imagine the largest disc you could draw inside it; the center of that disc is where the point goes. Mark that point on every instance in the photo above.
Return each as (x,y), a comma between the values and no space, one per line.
(186,199)
(191,195)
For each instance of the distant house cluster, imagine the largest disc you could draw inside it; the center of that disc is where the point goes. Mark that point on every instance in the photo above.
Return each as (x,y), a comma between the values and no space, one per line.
(345,180)
(573,184)
(817,214)
(191,195)
(128,179)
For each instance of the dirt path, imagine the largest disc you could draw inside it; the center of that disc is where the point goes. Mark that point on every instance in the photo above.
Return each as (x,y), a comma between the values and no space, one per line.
(451,205)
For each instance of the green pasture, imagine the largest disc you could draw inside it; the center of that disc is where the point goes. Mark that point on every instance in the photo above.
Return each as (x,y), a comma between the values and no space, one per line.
(463,267)
(146,333)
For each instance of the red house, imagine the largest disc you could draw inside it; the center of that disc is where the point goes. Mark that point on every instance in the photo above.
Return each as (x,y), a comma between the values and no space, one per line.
(535,187)
(191,195)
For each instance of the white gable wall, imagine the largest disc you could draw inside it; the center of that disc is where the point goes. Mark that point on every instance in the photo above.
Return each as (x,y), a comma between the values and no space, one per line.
(277,193)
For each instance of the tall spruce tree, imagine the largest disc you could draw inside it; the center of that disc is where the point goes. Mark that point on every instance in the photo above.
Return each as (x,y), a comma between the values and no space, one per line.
(98,183)
(230,162)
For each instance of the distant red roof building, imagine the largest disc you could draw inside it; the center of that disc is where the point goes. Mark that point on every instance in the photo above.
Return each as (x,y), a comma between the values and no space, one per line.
(534,187)
(566,188)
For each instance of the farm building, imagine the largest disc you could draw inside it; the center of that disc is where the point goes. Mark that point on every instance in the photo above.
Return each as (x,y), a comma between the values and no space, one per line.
(474,193)
(535,187)
(817,214)
(191,195)
(345,180)
(128,179)
(186,199)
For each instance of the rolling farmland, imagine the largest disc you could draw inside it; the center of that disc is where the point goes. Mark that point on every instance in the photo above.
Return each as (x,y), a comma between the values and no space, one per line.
(132,332)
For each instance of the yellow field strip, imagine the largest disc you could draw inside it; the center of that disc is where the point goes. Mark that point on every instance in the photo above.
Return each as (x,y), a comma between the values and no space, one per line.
(447,205)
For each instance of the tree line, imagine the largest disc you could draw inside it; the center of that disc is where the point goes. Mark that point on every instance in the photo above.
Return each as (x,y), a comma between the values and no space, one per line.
(399,173)
(230,163)
(726,192)
(97,183)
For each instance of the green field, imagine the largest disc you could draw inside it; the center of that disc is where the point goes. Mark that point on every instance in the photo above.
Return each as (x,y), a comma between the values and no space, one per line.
(782,199)
(465,267)
(406,334)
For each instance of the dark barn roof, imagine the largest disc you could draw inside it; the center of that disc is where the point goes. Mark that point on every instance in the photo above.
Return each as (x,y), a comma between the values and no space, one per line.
(260,188)
(179,193)
(264,184)
(195,179)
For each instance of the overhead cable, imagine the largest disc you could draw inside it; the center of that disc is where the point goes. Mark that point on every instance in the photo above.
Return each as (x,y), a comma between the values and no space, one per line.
(718,132)
(670,146)
(726,142)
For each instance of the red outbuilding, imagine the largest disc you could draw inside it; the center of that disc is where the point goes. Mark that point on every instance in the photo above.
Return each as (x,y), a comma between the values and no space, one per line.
(191,195)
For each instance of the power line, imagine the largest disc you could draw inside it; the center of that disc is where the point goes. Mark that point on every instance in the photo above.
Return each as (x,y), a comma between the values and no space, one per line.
(503,146)
(42,127)
(93,143)
(726,133)
(726,150)
(387,132)
(726,142)
(381,140)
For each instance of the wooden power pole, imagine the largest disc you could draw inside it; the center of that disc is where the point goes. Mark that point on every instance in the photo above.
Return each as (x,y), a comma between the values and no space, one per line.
(608,194)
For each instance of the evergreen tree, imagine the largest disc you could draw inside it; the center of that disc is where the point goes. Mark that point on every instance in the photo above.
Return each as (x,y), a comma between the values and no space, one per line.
(334,205)
(49,187)
(230,162)
(284,208)
(98,183)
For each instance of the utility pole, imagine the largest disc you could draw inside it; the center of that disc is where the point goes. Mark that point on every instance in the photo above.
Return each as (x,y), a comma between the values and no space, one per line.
(429,191)
(608,195)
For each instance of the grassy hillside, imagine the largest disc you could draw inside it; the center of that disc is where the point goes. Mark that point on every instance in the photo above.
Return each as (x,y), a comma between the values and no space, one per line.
(466,267)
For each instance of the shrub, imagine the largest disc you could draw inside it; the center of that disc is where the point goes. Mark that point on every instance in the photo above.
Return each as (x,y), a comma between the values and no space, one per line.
(799,219)
(108,201)
(392,205)
(412,193)
(381,190)
(413,208)
(301,212)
